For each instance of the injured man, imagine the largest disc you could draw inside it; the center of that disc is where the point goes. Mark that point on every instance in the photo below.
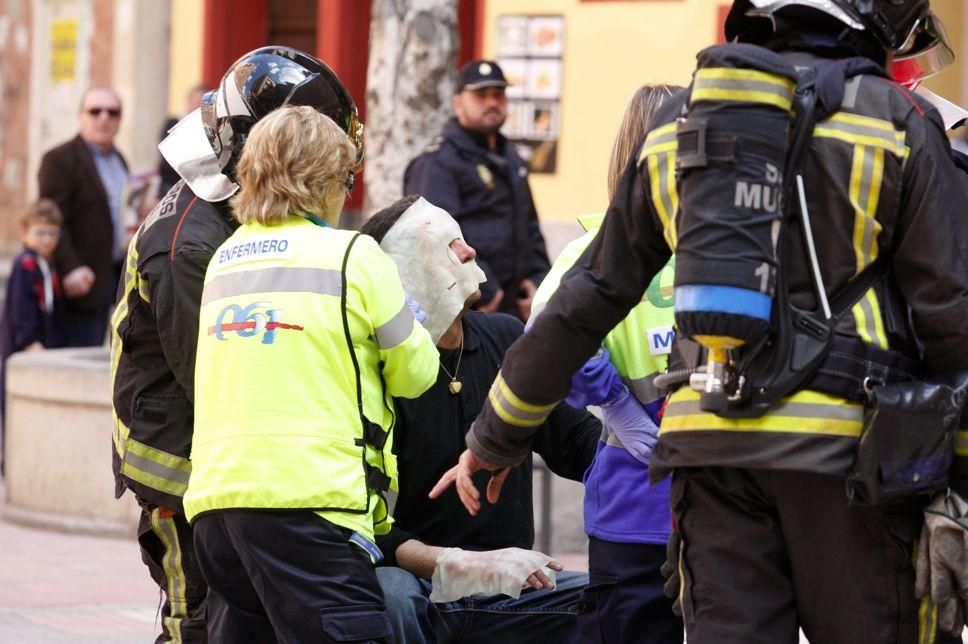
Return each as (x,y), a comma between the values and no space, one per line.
(448,576)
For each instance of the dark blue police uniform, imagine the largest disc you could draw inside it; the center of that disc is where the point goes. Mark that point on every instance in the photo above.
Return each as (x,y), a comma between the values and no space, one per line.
(487,192)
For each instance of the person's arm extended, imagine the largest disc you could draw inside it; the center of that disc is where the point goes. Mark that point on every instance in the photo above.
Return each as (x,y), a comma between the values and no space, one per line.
(418,558)
(568,441)
(597,294)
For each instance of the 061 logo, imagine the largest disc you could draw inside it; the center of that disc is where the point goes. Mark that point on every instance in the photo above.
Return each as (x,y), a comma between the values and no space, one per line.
(255,318)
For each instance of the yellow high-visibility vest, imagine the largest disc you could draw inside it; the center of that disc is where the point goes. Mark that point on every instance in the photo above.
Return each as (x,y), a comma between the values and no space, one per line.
(640,345)
(281,398)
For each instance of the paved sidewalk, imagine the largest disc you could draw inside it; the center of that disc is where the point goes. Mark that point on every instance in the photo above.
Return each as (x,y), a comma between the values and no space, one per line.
(56,587)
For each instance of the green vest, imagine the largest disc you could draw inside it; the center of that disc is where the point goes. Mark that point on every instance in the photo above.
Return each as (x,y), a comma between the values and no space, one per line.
(640,344)
(281,400)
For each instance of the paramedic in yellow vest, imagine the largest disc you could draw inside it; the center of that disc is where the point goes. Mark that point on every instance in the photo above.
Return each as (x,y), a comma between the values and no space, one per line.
(305,336)
(628,521)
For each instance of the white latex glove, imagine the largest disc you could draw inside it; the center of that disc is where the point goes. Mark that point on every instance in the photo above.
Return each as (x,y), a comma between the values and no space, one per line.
(941,566)
(460,573)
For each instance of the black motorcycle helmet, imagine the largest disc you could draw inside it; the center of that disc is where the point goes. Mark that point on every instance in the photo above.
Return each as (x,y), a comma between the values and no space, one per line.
(906,28)
(264,80)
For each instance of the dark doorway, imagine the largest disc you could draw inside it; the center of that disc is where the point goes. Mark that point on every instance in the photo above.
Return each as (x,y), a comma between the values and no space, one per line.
(293,23)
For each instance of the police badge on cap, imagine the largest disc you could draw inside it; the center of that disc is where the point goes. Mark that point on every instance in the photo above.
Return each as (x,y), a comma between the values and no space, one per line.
(479,74)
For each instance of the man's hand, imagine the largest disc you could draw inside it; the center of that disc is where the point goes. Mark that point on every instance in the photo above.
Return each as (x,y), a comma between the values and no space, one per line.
(461,475)
(525,298)
(491,305)
(459,573)
(78,282)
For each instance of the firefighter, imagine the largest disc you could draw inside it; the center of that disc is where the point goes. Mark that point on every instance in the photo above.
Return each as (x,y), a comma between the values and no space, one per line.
(154,327)
(769,540)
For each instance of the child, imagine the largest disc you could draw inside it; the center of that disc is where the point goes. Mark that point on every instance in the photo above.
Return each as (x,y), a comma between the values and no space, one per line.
(31,312)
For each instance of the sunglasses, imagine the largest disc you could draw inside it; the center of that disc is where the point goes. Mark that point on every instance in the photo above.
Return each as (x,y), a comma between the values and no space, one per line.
(113,112)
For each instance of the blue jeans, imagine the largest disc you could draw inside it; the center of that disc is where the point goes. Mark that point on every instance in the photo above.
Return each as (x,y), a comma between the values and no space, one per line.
(536,616)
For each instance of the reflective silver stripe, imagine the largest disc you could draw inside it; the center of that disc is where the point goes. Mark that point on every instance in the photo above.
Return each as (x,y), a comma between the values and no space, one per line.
(870,326)
(175,476)
(396,330)
(643,389)
(324,281)
(172,564)
(513,415)
(795,409)
(743,85)
(661,139)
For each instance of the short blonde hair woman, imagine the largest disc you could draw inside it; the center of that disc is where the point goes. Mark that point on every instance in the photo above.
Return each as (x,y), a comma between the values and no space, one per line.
(304,338)
(283,174)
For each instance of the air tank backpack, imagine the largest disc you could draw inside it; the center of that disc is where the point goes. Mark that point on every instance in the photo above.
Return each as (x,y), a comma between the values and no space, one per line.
(741,147)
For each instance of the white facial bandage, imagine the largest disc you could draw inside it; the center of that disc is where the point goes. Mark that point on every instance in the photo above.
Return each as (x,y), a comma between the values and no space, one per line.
(419,243)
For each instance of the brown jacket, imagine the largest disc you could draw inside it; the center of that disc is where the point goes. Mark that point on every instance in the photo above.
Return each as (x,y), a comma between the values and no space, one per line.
(69,177)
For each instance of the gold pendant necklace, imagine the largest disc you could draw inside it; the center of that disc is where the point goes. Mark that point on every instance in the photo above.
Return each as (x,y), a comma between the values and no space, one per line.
(455,385)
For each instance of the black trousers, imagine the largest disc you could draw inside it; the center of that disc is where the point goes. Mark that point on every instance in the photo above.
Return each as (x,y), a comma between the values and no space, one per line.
(167,548)
(767,552)
(288,577)
(623,602)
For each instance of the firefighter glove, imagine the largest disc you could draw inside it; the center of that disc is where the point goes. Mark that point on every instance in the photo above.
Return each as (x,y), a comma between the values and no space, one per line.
(941,566)
(670,571)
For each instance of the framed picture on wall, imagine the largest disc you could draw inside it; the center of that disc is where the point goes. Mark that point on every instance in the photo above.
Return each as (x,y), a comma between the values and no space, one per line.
(544,78)
(546,36)
(516,73)
(530,50)
(512,36)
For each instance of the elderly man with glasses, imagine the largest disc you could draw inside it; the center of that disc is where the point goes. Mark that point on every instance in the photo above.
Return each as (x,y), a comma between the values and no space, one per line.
(85,177)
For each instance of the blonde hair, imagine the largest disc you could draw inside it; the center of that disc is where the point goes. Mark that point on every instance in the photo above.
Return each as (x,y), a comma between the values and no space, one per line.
(42,211)
(295,161)
(636,122)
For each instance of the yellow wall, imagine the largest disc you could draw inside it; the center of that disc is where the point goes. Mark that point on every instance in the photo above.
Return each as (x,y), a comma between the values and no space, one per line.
(950,82)
(187,23)
(611,48)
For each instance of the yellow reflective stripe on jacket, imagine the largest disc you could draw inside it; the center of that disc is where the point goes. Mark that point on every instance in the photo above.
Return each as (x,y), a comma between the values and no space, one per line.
(396,330)
(742,85)
(172,564)
(662,139)
(512,409)
(659,154)
(866,176)
(863,130)
(961,443)
(927,616)
(805,412)
(286,279)
(157,469)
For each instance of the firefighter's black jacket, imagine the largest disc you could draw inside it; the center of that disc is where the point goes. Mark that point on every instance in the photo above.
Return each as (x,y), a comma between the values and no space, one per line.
(154,335)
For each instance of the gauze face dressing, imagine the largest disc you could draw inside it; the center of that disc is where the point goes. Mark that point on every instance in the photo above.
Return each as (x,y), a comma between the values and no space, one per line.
(431,273)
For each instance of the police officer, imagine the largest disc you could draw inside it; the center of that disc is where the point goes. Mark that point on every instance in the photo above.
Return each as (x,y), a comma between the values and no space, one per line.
(474,173)
(304,336)
(155,323)
(770,543)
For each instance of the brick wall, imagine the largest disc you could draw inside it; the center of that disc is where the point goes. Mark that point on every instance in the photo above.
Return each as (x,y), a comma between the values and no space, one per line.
(14,105)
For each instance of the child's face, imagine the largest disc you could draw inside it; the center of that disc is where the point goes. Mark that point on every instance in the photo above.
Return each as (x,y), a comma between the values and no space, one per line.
(41,238)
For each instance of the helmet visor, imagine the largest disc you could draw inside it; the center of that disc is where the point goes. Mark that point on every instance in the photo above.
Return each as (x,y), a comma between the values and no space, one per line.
(925,52)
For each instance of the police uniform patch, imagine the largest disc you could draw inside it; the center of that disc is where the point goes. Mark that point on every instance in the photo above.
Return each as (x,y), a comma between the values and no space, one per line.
(485,174)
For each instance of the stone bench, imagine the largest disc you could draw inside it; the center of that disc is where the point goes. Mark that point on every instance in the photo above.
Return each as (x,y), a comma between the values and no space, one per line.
(57,450)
